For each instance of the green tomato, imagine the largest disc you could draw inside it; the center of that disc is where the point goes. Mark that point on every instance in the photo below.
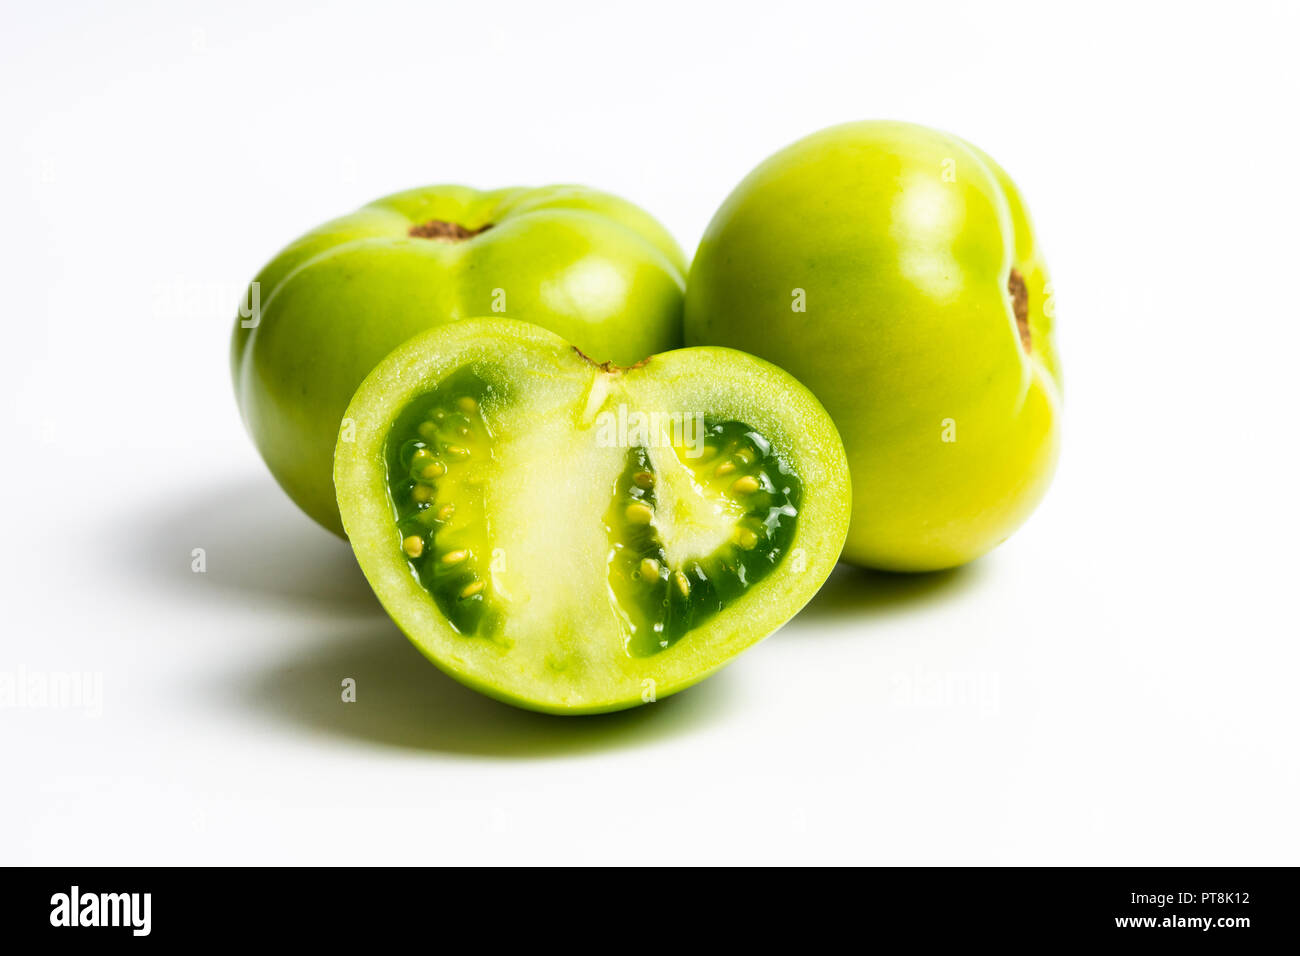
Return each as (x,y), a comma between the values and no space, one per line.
(893,270)
(576,538)
(587,265)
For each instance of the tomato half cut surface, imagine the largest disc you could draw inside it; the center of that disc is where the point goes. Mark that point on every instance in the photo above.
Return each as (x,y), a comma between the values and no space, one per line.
(576,538)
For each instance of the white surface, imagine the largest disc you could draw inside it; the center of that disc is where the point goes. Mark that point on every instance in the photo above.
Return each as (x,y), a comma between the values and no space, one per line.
(1116,684)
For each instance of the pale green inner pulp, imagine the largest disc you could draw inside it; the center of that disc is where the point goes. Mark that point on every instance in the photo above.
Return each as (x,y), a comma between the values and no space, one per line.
(560,509)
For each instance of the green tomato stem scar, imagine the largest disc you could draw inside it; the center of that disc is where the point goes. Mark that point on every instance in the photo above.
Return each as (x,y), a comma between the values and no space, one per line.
(1019,293)
(445,231)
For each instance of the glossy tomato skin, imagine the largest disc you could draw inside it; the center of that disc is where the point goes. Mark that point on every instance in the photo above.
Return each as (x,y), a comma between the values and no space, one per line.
(587,265)
(874,261)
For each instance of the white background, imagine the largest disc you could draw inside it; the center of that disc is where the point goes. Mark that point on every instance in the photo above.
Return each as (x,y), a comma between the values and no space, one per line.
(1116,684)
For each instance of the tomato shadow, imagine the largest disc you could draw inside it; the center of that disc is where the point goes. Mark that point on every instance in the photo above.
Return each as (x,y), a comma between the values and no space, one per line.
(256,547)
(856,593)
(403,701)
(261,554)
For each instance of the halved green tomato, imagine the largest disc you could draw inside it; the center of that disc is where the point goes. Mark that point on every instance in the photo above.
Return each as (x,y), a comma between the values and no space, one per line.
(576,538)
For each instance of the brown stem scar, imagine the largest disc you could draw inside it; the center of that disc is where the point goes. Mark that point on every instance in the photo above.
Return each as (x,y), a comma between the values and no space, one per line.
(1020,306)
(446,231)
(609,367)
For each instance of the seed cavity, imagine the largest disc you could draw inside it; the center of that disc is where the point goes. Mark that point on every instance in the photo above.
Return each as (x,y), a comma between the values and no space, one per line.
(436,450)
(660,604)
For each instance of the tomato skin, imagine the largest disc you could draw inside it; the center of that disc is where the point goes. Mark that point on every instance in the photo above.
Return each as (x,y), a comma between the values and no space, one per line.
(872,262)
(587,265)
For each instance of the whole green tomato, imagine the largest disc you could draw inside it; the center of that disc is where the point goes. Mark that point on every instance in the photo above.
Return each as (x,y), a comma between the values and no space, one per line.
(589,266)
(893,270)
